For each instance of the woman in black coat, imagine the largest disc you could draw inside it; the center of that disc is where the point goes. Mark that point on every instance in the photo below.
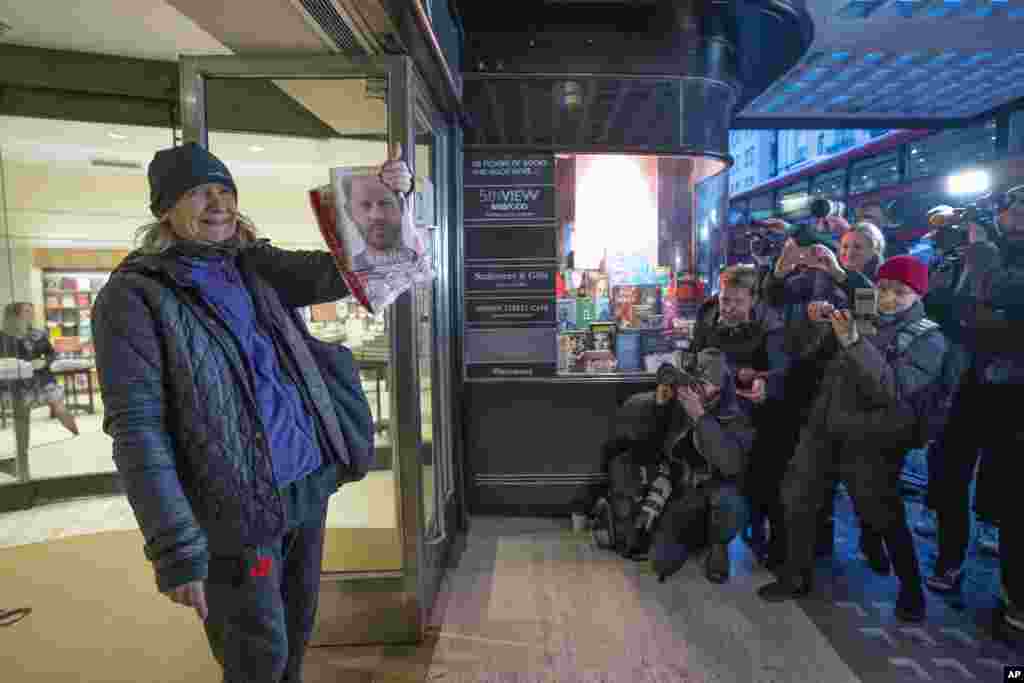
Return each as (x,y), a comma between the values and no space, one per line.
(20,340)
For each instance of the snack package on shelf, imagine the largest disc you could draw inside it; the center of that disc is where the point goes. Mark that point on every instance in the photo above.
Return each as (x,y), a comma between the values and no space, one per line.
(566,315)
(628,350)
(586,313)
(599,362)
(380,255)
(603,336)
(653,361)
(571,347)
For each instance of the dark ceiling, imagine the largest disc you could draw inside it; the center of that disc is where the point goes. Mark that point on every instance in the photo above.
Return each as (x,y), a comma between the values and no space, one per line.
(871,64)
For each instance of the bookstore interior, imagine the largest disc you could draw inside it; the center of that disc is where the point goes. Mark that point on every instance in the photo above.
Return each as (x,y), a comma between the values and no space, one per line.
(632,273)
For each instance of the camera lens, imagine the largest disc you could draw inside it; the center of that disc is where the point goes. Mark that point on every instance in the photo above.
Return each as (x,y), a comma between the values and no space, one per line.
(820,208)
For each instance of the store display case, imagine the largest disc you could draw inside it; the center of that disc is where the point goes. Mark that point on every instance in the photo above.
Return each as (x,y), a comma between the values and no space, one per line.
(582,266)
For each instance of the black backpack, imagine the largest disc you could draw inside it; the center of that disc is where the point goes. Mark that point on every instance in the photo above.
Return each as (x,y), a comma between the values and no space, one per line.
(617,520)
(931,404)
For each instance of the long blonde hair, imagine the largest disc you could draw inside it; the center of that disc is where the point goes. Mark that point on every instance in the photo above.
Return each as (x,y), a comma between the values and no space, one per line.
(874,235)
(158,236)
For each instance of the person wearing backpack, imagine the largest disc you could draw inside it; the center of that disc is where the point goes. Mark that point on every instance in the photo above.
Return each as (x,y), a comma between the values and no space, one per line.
(985,416)
(750,334)
(870,410)
(640,474)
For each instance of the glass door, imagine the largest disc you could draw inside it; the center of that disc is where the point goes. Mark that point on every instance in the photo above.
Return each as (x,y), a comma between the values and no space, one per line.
(319,113)
(433,318)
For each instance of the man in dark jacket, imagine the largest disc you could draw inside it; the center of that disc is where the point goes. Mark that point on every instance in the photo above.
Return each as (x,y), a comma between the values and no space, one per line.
(984,416)
(708,437)
(751,335)
(954,285)
(862,422)
(224,430)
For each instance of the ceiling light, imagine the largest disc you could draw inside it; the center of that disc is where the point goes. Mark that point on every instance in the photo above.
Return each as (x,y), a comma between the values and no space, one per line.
(257,148)
(117,136)
(968,182)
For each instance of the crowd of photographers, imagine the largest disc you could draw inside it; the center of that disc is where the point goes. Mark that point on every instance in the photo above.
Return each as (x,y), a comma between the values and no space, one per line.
(826,363)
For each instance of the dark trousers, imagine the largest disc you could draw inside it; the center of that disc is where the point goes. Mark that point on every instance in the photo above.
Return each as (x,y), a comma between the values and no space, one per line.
(871,472)
(984,417)
(777,436)
(258,626)
(711,513)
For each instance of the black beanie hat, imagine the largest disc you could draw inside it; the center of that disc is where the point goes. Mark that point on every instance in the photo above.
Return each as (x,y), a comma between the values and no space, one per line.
(176,170)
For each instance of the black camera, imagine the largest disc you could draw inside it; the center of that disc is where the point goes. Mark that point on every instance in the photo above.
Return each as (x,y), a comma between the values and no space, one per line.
(951,224)
(822,208)
(676,377)
(688,375)
(765,244)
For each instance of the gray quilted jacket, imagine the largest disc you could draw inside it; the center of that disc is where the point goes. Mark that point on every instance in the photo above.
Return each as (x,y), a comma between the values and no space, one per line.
(180,407)
(867,391)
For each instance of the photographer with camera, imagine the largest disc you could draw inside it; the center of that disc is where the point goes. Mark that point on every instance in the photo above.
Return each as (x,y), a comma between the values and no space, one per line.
(861,250)
(808,270)
(867,414)
(965,257)
(708,437)
(647,459)
(750,334)
(766,242)
(983,417)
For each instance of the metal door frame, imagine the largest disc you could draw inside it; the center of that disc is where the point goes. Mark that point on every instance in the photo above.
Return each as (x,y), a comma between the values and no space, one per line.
(401,590)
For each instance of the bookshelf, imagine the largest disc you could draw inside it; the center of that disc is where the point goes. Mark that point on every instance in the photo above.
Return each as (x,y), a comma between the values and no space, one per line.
(68,297)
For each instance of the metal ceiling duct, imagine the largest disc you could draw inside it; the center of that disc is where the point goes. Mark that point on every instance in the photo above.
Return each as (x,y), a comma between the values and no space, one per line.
(658,76)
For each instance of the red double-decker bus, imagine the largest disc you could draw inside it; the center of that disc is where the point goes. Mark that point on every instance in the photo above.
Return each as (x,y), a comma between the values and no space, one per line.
(892,181)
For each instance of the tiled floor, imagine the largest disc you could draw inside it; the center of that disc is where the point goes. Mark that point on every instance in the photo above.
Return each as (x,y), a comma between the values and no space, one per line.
(55,452)
(528,600)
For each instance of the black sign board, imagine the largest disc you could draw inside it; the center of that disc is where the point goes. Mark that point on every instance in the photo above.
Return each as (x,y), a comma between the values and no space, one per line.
(530,203)
(515,312)
(511,251)
(510,279)
(493,243)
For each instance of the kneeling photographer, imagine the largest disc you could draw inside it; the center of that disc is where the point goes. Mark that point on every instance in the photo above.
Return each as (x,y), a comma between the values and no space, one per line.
(983,416)
(868,412)
(709,456)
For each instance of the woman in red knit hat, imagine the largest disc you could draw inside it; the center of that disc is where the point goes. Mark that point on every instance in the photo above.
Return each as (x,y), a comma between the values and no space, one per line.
(862,423)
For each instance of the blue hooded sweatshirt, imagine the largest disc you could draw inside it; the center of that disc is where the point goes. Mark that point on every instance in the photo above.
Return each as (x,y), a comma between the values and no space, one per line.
(291,433)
